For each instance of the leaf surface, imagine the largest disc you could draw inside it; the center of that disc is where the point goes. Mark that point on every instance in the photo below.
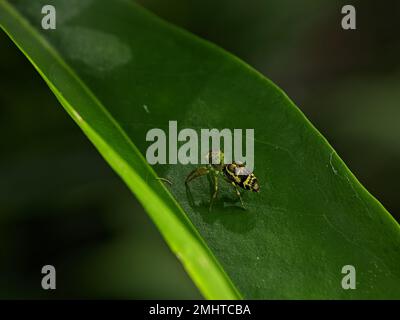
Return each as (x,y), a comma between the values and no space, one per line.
(119,71)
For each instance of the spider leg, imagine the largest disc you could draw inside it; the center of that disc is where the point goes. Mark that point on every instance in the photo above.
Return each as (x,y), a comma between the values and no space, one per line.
(198,172)
(238,194)
(210,180)
(165,180)
(189,196)
(214,190)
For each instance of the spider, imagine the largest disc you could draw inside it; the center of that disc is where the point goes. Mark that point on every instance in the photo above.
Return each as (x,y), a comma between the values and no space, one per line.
(234,173)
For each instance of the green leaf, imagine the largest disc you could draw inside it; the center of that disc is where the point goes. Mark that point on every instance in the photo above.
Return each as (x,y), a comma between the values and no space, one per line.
(120,71)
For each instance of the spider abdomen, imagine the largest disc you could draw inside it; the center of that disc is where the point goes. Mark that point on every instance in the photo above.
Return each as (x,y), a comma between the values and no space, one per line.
(237,174)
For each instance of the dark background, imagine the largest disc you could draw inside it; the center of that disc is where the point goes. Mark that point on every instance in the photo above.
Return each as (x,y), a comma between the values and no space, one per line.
(61,204)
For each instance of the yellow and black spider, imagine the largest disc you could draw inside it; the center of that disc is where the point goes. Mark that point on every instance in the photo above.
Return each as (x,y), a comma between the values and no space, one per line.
(234,173)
